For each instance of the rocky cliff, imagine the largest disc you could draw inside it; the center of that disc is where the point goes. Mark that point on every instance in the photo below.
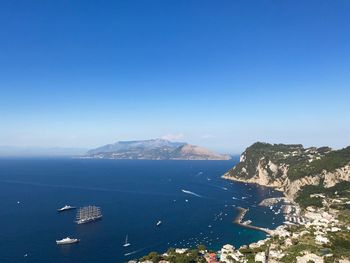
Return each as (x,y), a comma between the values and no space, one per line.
(290,168)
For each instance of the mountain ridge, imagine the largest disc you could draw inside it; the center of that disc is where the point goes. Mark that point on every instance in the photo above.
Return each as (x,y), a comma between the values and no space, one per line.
(154,149)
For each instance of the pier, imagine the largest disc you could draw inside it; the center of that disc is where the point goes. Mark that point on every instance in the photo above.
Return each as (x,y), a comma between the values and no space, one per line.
(241,214)
(239,219)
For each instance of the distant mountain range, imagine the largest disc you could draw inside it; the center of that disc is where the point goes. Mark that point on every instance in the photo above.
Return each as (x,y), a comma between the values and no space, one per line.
(154,149)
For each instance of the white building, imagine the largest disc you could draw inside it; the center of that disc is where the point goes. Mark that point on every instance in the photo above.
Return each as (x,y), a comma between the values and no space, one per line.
(321,239)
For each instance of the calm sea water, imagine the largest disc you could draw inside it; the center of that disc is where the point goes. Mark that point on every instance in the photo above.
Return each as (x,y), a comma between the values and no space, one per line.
(133,196)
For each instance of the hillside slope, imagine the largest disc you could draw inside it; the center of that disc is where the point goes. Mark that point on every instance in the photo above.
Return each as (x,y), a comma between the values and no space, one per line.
(290,168)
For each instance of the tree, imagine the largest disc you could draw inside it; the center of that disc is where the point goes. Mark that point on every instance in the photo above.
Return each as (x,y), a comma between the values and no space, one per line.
(202,247)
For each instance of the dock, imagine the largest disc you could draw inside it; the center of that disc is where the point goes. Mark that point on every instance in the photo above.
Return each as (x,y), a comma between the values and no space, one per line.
(239,219)
(241,214)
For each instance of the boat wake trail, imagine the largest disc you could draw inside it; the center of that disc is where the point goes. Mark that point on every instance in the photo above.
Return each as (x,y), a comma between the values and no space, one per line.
(133,252)
(190,193)
(141,249)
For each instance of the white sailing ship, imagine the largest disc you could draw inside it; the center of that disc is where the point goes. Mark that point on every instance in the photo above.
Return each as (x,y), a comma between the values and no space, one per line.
(126,244)
(88,214)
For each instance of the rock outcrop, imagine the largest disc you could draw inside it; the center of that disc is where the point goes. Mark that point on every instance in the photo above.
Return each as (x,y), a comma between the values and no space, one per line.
(337,176)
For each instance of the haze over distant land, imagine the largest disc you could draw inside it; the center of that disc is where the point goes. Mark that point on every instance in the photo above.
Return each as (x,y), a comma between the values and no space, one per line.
(154,149)
(13,151)
(223,76)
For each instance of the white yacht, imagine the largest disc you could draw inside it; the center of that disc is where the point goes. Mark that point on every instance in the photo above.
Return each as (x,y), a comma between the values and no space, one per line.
(67,240)
(159,223)
(65,208)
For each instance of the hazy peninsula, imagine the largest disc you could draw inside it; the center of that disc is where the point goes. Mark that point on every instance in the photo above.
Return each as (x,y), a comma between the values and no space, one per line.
(154,149)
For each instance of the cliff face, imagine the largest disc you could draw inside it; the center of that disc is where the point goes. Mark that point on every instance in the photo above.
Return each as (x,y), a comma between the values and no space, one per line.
(333,178)
(289,168)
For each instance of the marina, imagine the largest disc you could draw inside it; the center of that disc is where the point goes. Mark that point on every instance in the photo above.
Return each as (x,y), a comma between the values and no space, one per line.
(239,221)
(272,201)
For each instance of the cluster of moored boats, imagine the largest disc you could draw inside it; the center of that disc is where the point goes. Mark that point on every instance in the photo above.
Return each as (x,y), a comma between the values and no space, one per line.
(67,240)
(87,214)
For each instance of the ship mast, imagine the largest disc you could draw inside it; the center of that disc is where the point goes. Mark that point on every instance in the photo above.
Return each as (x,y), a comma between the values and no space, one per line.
(88,214)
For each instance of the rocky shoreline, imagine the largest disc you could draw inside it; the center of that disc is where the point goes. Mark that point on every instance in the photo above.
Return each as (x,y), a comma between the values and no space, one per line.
(251,181)
(318,231)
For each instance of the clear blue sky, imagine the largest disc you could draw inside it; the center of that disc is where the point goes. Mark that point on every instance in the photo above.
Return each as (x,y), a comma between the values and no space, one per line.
(221,74)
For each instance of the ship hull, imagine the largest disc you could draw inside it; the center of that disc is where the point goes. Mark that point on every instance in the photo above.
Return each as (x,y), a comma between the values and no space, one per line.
(67,242)
(88,220)
(66,209)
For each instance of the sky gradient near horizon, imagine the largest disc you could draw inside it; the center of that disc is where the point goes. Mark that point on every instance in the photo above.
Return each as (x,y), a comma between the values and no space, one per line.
(220,74)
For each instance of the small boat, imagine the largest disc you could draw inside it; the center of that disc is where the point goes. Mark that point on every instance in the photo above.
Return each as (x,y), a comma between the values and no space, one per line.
(67,240)
(159,223)
(65,208)
(126,244)
(248,222)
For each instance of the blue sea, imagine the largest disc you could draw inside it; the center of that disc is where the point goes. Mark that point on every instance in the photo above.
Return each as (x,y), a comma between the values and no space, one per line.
(133,196)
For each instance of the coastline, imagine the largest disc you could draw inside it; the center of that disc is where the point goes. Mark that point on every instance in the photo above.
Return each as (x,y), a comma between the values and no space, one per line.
(304,227)
(231,178)
(150,159)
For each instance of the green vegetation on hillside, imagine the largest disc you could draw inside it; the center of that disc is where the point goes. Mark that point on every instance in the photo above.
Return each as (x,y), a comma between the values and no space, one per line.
(263,153)
(330,162)
(190,256)
(301,162)
(338,191)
